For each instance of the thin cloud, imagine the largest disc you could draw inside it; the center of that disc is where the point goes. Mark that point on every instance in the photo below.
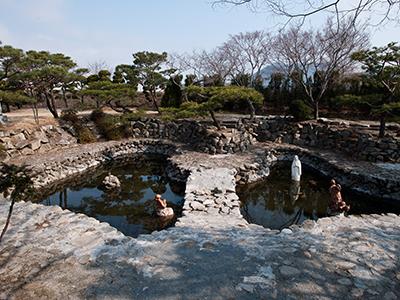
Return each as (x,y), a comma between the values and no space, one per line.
(46,11)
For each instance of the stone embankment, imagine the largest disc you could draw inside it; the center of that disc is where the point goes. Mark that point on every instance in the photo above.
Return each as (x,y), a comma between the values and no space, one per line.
(75,161)
(32,141)
(357,140)
(201,136)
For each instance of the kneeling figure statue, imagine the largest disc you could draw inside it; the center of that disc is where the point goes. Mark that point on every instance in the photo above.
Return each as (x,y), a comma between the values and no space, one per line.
(161,207)
(337,205)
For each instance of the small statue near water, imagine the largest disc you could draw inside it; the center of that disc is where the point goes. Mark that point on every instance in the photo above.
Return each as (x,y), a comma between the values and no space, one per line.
(337,205)
(296,169)
(161,207)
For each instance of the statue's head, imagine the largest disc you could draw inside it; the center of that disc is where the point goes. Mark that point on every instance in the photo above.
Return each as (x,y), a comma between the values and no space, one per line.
(296,157)
(333,181)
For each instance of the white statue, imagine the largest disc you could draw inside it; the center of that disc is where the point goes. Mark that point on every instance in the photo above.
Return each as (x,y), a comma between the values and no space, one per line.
(296,168)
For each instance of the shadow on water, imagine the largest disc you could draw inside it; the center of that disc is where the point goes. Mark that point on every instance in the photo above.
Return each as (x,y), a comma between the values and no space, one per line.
(279,202)
(129,208)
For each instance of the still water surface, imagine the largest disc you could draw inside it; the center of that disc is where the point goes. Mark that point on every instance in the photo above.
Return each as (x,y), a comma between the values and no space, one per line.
(278,202)
(128,209)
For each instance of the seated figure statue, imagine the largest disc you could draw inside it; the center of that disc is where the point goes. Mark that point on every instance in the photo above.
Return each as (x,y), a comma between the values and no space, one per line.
(161,207)
(337,205)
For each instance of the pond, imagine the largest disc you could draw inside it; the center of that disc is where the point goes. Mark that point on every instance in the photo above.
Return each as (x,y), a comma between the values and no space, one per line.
(129,208)
(277,202)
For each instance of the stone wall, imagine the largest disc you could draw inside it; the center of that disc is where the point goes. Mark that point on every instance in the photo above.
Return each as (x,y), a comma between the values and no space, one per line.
(31,141)
(54,172)
(354,139)
(200,136)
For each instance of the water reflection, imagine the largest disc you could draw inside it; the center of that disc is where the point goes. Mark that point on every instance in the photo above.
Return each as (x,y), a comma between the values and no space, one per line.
(279,202)
(129,209)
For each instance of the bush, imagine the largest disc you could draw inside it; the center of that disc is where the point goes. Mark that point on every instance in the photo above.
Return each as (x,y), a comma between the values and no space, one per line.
(186,110)
(85,136)
(70,115)
(111,127)
(300,111)
(97,115)
(133,116)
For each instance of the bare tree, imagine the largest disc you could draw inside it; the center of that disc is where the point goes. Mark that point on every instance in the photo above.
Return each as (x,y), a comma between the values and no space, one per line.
(383,10)
(204,64)
(314,59)
(96,66)
(247,52)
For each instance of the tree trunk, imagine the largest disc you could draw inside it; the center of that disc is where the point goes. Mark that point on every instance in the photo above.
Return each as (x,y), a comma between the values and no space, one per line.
(50,106)
(64,97)
(154,98)
(382,126)
(35,113)
(7,108)
(54,105)
(8,219)
(216,123)
(2,118)
(252,109)
(316,110)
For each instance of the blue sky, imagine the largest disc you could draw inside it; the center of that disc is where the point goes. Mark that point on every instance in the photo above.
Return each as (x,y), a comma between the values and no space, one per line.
(110,31)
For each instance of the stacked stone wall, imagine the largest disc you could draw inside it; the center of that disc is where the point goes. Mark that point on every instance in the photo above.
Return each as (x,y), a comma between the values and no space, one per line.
(200,136)
(30,141)
(359,141)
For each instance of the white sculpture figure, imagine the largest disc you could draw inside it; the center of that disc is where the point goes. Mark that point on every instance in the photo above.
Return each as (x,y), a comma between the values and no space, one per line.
(296,168)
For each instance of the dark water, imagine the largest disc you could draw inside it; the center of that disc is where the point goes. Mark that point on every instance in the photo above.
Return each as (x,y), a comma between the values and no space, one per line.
(278,202)
(130,208)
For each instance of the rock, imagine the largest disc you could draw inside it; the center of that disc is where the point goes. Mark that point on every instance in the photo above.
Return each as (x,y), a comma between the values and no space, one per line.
(197,206)
(390,296)
(356,293)
(345,281)
(18,138)
(111,182)
(27,151)
(246,287)
(289,271)
(256,279)
(286,231)
(35,144)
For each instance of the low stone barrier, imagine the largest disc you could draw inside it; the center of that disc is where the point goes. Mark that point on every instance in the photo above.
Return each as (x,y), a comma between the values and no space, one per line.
(353,139)
(58,170)
(200,136)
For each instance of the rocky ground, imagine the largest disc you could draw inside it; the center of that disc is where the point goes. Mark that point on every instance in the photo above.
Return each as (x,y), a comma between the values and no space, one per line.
(211,253)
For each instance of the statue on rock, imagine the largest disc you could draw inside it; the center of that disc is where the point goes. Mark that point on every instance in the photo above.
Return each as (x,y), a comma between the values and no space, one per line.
(161,207)
(296,168)
(337,205)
